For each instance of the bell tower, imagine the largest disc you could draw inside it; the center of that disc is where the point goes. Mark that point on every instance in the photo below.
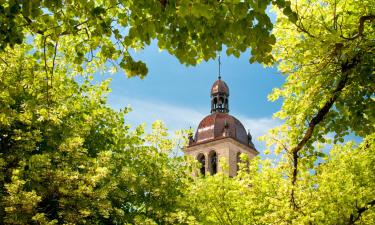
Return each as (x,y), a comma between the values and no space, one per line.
(220,136)
(219,97)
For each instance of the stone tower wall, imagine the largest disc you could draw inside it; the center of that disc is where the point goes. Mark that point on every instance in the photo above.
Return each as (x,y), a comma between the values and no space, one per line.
(226,148)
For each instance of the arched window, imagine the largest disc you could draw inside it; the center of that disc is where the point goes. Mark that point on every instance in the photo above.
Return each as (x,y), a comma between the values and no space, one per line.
(226,103)
(202,162)
(215,103)
(221,102)
(212,157)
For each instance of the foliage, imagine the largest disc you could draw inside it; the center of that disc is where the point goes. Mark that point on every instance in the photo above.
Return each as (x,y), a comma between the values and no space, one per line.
(327,55)
(244,199)
(331,44)
(339,191)
(72,159)
(90,33)
(329,87)
(67,158)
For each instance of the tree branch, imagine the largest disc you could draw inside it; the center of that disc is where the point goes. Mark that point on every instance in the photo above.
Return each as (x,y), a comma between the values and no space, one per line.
(53,61)
(361,27)
(46,66)
(29,22)
(312,124)
(353,219)
(4,61)
(281,143)
(345,69)
(303,29)
(66,32)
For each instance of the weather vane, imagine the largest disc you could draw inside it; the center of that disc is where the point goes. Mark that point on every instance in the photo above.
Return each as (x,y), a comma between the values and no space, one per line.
(219,67)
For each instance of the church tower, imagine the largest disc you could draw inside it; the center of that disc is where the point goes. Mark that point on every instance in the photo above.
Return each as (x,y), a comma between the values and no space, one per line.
(220,135)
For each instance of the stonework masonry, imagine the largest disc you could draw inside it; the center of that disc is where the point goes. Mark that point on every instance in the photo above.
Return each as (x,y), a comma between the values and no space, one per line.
(225,148)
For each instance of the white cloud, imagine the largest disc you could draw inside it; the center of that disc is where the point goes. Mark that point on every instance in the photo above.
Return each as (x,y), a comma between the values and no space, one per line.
(259,126)
(175,117)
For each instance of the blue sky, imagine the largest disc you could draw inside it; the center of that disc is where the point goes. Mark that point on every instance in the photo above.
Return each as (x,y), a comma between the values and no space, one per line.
(180,95)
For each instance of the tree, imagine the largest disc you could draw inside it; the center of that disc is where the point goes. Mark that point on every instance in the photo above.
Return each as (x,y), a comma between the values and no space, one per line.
(339,191)
(72,159)
(330,80)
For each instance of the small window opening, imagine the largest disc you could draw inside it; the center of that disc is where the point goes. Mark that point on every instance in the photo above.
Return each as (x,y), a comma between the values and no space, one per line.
(202,162)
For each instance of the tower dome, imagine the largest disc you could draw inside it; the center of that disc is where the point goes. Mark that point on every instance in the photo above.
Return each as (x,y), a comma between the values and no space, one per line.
(220,125)
(220,87)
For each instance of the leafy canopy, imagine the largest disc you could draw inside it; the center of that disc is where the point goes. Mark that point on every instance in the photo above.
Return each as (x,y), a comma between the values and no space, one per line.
(66,157)
(94,32)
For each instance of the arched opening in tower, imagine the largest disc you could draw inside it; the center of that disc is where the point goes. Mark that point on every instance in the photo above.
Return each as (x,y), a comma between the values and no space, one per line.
(215,103)
(212,157)
(202,163)
(221,103)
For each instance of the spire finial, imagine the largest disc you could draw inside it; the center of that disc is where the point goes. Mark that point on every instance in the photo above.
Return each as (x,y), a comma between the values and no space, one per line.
(249,137)
(219,67)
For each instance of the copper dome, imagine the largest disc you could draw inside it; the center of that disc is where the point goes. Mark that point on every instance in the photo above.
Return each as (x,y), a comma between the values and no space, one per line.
(220,87)
(220,125)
